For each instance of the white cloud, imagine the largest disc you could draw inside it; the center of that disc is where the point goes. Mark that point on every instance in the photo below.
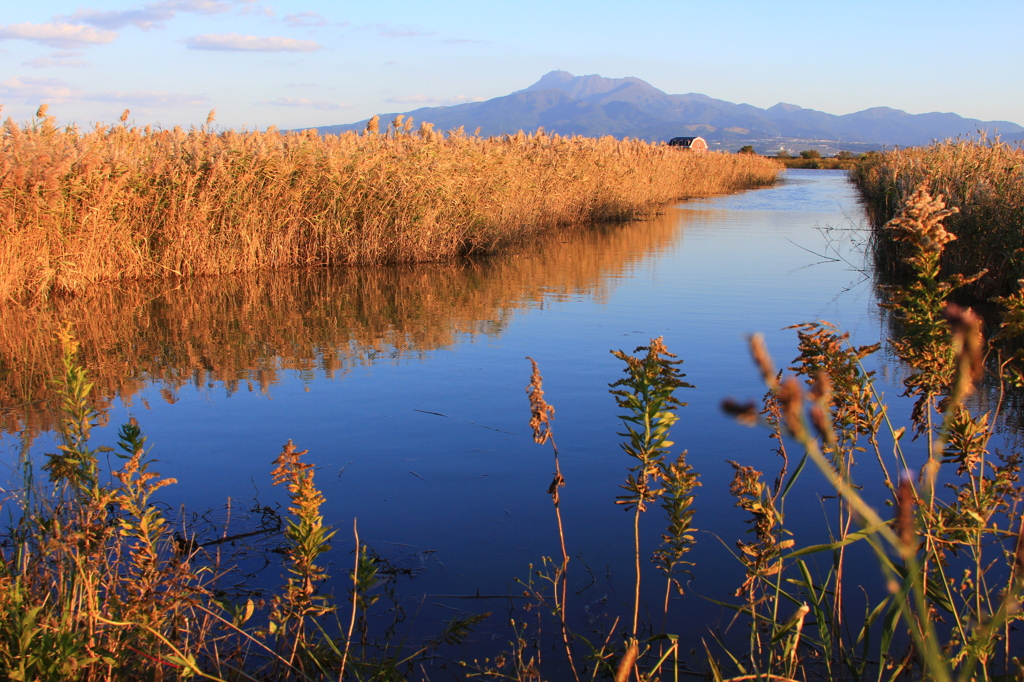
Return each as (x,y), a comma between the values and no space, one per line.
(233,42)
(150,15)
(302,85)
(57,34)
(148,98)
(259,10)
(146,18)
(37,90)
(305,19)
(303,102)
(202,6)
(426,99)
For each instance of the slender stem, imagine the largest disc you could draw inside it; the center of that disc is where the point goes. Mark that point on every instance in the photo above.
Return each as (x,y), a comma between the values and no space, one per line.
(668,592)
(355,595)
(636,554)
(561,576)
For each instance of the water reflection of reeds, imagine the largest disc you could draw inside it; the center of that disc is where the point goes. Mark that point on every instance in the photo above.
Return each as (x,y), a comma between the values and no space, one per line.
(244,331)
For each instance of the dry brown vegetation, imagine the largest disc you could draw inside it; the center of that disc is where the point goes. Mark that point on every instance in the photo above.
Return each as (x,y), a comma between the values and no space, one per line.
(983,179)
(124,203)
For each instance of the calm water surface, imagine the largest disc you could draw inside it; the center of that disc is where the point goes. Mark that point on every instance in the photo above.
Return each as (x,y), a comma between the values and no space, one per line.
(406,385)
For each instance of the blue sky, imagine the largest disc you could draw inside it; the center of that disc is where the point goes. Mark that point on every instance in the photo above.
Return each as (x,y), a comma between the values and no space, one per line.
(313,62)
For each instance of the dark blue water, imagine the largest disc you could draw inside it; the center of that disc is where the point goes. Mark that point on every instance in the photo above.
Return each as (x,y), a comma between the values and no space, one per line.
(422,439)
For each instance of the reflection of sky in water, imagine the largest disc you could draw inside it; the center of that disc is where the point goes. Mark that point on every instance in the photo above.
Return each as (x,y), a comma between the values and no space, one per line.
(434,452)
(800,191)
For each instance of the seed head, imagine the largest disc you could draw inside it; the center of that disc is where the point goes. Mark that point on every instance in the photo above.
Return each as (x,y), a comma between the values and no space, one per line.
(745,413)
(905,529)
(764,361)
(540,412)
(969,343)
(920,221)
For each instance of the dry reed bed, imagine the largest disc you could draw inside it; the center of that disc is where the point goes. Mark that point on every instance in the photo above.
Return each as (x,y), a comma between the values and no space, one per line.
(242,331)
(121,202)
(983,179)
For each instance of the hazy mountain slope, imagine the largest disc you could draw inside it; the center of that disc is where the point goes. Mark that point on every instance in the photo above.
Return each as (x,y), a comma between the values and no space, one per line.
(630,107)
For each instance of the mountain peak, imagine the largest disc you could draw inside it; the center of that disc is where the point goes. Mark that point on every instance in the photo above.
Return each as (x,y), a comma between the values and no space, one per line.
(582,87)
(552,80)
(782,107)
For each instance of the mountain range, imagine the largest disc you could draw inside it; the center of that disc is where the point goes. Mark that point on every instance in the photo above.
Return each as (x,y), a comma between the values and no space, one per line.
(630,107)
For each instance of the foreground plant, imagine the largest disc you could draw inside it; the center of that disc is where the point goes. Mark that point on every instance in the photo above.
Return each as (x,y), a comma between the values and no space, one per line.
(92,582)
(307,538)
(95,586)
(541,414)
(647,393)
(952,562)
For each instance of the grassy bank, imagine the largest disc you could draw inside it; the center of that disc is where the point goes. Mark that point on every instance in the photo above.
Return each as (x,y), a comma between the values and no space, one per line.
(95,584)
(983,180)
(123,203)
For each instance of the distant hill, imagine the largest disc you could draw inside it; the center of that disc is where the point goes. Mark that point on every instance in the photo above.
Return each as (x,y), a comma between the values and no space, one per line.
(630,107)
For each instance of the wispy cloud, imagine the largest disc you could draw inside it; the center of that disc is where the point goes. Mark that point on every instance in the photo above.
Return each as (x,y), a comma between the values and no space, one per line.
(257,10)
(302,85)
(391,31)
(426,99)
(57,34)
(303,102)
(462,41)
(54,60)
(148,98)
(303,19)
(50,90)
(233,42)
(147,18)
(150,15)
(37,90)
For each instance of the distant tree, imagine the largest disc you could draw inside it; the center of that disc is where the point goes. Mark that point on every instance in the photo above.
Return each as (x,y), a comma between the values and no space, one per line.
(746,149)
(784,154)
(846,155)
(810,154)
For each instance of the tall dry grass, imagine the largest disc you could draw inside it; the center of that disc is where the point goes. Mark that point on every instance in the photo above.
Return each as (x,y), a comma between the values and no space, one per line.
(125,203)
(983,179)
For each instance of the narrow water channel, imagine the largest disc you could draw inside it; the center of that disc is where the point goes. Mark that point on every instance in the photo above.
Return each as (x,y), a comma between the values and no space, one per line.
(406,385)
